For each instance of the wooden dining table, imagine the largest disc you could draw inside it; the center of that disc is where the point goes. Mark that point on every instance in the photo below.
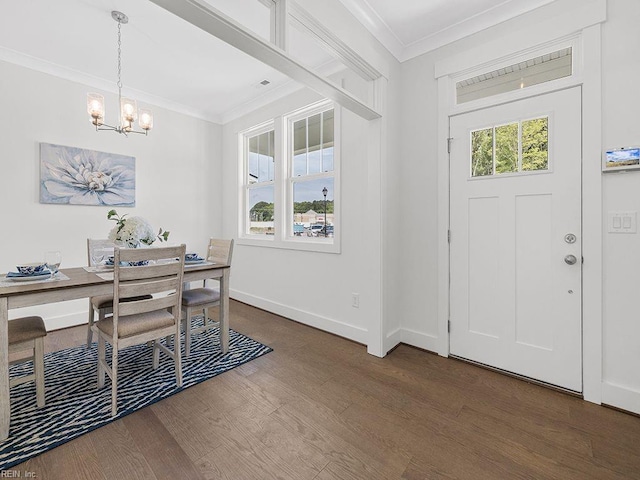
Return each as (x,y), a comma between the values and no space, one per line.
(84,284)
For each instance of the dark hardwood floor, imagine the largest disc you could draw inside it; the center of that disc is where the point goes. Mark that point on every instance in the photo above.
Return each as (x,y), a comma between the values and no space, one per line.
(319,407)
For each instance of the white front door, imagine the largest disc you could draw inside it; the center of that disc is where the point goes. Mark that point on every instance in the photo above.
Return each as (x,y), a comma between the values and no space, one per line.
(516,237)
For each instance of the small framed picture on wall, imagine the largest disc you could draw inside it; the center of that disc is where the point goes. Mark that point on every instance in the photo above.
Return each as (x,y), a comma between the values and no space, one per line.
(624,158)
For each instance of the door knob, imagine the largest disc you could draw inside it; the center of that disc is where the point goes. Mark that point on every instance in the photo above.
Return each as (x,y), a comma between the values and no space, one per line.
(570,259)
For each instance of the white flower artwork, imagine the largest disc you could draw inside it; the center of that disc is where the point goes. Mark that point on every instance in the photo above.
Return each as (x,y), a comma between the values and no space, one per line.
(70,175)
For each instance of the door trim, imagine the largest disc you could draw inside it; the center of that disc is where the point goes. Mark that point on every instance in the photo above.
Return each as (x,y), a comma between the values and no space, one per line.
(590,80)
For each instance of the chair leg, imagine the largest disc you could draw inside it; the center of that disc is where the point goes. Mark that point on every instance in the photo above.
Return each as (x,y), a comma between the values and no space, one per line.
(91,318)
(177,357)
(101,359)
(38,367)
(156,354)
(187,333)
(114,381)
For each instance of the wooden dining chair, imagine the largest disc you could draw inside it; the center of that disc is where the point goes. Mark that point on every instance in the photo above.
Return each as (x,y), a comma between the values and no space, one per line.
(201,299)
(146,319)
(28,333)
(102,305)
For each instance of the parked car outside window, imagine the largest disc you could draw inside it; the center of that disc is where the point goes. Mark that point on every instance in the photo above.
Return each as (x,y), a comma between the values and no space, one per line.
(313,230)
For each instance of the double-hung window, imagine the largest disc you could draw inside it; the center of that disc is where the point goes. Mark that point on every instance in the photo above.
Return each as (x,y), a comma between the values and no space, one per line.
(259,181)
(291,181)
(311,182)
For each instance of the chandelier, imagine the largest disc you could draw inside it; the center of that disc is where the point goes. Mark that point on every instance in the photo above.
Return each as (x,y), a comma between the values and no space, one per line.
(128,109)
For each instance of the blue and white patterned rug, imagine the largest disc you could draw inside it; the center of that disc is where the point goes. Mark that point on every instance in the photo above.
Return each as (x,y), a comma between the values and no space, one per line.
(74,405)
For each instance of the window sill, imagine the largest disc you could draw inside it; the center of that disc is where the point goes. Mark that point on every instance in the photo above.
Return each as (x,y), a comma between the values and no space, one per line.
(306,244)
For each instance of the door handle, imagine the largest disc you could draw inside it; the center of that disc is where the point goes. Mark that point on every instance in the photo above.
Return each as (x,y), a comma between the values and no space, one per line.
(570,259)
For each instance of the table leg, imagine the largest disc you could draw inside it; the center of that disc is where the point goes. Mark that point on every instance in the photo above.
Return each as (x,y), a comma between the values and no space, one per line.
(224,311)
(5,406)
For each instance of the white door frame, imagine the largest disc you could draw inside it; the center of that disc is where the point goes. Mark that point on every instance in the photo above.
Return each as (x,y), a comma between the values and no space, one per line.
(587,74)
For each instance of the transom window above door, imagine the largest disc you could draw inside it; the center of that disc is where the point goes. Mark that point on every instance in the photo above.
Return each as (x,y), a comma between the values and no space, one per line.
(533,71)
(513,148)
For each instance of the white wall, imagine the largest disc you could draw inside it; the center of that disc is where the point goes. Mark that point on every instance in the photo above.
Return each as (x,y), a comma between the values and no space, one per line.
(621,330)
(310,287)
(178,177)
(621,102)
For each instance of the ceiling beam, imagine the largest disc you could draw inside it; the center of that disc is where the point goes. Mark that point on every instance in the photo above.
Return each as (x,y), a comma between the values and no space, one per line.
(226,29)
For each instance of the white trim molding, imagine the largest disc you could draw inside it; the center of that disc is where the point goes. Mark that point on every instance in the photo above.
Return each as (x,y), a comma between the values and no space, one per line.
(621,397)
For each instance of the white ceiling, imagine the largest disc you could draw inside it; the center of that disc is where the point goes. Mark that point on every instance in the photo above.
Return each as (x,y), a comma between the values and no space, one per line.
(408,28)
(170,63)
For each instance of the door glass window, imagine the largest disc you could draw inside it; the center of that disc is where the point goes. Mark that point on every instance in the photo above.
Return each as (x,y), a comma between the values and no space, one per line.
(482,152)
(510,149)
(507,148)
(535,139)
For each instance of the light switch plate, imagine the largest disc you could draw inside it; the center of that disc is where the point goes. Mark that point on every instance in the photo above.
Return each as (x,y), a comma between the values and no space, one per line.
(623,222)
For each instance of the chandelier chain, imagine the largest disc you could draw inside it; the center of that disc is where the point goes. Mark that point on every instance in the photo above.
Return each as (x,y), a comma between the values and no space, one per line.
(119,59)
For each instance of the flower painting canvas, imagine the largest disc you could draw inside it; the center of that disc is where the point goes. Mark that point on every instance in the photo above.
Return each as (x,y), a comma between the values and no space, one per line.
(76,176)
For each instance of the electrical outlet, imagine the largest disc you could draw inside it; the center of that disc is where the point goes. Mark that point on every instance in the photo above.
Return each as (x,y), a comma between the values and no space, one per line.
(355,300)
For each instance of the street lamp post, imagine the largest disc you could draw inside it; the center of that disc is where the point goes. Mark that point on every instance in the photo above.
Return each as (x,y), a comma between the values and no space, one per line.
(324,192)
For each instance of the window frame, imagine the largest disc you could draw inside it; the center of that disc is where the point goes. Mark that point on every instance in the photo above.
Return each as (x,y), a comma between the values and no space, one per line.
(284,181)
(246,187)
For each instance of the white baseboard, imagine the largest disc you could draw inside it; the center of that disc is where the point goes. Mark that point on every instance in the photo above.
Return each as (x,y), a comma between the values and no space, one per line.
(336,327)
(66,321)
(420,340)
(621,397)
(393,339)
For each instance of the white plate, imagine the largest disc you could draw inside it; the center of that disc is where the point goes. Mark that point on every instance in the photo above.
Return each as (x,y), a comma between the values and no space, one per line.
(194,262)
(33,278)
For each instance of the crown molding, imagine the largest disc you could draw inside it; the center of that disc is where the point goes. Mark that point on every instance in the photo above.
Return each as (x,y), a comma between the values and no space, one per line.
(363,12)
(373,22)
(66,73)
(477,23)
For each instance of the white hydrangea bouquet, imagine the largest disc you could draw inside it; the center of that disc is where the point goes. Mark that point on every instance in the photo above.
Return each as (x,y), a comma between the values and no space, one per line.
(133,232)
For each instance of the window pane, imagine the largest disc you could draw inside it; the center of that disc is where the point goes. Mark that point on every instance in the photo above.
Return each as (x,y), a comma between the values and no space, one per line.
(272,167)
(535,144)
(327,141)
(315,161)
(253,160)
(260,158)
(327,129)
(314,127)
(261,211)
(300,136)
(507,148)
(300,165)
(482,152)
(327,159)
(309,208)
(265,158)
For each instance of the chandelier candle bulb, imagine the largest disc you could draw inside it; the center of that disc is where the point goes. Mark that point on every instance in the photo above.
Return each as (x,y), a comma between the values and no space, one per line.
(95,107)
(146,119)
(129,113)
